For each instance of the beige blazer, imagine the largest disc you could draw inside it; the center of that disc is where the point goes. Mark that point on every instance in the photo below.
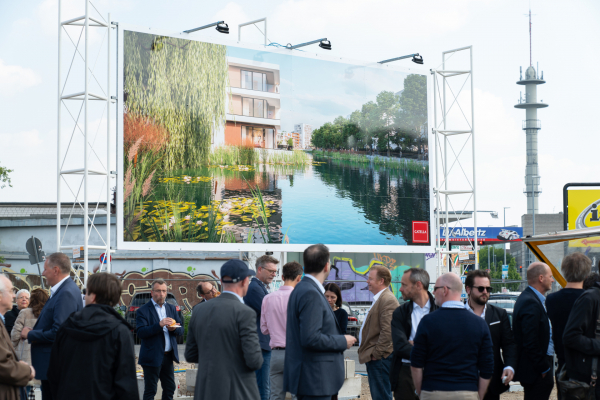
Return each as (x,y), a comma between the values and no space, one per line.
(377,329)
(12,373)
(22,347)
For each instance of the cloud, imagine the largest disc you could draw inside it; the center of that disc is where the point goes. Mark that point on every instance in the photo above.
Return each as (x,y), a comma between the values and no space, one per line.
(22,140)
(14,78)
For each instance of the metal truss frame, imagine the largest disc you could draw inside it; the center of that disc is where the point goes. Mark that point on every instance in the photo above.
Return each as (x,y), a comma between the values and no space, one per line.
(447,159)
(84,96)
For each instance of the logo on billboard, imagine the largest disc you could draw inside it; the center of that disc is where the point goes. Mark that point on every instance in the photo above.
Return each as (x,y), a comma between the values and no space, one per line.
(584,212)
(491,234)
(420,232)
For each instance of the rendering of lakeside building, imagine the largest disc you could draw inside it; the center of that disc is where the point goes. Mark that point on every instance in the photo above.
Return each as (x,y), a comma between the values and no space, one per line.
(305,132)
(253,105)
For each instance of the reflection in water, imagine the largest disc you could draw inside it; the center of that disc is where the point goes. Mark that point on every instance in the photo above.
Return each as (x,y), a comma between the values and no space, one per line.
(331,201)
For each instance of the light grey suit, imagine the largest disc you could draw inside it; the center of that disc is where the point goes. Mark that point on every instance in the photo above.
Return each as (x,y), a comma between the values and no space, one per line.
(222,339)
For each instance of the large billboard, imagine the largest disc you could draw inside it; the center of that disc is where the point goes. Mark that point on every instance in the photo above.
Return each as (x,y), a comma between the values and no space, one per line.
(238,147)
(583,212)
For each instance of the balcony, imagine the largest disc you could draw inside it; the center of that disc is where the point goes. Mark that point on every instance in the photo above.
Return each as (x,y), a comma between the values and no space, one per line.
(532,124)
(263,87)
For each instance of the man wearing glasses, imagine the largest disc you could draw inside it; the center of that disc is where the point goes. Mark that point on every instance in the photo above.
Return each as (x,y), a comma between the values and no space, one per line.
(477,285)
(452,357)
(266,270)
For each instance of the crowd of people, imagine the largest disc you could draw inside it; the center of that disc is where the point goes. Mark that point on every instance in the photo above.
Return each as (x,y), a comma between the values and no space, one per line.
(262,343)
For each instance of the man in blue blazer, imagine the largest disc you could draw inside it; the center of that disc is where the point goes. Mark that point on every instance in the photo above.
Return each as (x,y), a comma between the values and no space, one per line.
(314,353)
(65,299)
(158,325)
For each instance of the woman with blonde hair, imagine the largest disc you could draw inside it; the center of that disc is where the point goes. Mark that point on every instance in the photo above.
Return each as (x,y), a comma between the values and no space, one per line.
(27,318)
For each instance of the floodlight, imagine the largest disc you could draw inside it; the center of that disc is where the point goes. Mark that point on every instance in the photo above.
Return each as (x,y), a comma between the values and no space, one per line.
(222,27)
(418,60)
(322,44)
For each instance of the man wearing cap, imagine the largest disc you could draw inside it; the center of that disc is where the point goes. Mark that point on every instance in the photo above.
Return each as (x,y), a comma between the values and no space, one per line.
(226,365)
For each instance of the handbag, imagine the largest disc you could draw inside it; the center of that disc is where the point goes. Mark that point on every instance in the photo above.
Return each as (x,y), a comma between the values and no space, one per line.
(576,390)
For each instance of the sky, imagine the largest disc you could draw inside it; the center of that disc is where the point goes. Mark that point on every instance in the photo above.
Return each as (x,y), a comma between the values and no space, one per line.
(565,37)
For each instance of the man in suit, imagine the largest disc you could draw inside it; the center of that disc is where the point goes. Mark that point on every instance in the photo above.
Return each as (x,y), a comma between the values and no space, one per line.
(158,325)
(266,270)
(206,291)
(65,299)
(14,374)
(314,352)
(228,352)
(477,285)
(405,321)
(533,335)
(375,335)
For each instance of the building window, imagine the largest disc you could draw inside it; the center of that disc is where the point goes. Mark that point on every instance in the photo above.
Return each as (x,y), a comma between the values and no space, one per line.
(255,108)
(254,81)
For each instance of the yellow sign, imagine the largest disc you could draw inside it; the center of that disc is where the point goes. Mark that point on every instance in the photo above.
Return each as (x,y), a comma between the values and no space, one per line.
(584,212)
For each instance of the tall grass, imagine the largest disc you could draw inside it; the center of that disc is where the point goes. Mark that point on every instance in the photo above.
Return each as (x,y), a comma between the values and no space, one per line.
(244,155)
(392,163)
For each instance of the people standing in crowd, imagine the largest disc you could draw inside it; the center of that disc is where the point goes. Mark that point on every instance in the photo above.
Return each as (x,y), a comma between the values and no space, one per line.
(93,357)
(375,337)
(414,286)
(22,303)
(444,364)
(65,299)
(207,291)
(314,352)
(579,337)
(575,268)
(266,270)
(533,334)
(228,352)
(27,318)
(14,374)
(333,294)
(591,280)
(273,321)
(478,288)
(158,325)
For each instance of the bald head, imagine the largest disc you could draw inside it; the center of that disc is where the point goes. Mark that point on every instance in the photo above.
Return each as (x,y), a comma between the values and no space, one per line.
(535,270)
(452,281)
(7,295)
(539,276)
(448,287)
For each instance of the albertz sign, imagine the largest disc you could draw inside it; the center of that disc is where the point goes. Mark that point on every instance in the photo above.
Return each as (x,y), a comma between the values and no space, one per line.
(490,234)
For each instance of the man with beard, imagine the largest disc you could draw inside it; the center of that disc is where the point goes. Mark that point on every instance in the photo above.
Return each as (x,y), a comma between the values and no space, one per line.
(405,321)
(477,285)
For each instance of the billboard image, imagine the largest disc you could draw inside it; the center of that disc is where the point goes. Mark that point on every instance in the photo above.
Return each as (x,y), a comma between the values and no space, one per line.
(584,212)
(233,147)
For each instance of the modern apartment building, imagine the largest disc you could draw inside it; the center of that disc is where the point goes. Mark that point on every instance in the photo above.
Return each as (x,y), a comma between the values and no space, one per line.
(305,131)
(253,105)
(297,141)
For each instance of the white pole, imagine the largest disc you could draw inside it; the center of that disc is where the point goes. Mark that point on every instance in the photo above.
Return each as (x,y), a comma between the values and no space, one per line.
(445,160)
(437,184)
(108,103)
(85,151)
(58,176)
(474,165)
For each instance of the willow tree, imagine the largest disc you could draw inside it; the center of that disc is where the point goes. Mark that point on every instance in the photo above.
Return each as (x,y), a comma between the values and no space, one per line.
(180,84)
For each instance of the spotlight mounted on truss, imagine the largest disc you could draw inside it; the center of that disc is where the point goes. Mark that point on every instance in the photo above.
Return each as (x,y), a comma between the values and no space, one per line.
(222,27)
(416,58)
(323,43)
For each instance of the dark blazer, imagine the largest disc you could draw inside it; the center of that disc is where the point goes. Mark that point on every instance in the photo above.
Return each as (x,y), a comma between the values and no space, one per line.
(502,337)
(579,339)
(148,328)
(228,347)
(314,353)
(64,302)
(10,317)
(531,330)
(401,328)
(254,298)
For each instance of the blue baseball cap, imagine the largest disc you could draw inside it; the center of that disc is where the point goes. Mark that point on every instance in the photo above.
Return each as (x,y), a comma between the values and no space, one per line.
(236,270)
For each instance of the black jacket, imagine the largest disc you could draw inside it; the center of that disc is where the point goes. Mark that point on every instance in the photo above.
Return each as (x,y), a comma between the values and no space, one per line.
(10,317)
(401,327)
(531,329)
(497,320)
(92,357)
(579,340)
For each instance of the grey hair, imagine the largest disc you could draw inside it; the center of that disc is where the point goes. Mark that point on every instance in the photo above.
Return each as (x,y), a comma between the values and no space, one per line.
(2,285)
(418,275)
(576,267)
(23,291)
(158,281)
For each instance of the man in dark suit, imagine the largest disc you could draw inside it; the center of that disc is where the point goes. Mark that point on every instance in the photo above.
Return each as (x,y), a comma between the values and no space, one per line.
(158,325)
(314,356)
(65,299)
(206,291)
(533,335)
(226,365)
(266,270)
(478,287)
(405,321)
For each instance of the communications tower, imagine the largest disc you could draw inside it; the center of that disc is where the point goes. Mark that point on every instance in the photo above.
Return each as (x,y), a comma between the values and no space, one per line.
(531,126)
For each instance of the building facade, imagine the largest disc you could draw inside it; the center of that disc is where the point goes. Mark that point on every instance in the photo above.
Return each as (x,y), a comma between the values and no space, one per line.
(305,132)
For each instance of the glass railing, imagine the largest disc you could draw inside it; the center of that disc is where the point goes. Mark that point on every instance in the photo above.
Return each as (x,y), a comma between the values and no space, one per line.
(264,88)
(273,116)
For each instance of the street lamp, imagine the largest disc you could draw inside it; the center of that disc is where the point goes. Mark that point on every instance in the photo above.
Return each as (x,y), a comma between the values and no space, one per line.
(416,58)
(222,27)
(505,227)
(323,43)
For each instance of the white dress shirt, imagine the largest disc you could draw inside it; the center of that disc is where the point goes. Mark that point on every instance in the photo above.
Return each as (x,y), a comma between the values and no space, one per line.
(54,288)
(415,319)
(162,314)
(235,294)
(319,284)
(367,314)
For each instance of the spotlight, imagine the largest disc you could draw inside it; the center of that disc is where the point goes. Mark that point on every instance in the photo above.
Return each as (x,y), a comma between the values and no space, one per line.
(325,44)
(417,59)
(224,28)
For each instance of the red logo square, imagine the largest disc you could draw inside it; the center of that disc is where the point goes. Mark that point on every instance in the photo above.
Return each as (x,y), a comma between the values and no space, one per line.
(420,232)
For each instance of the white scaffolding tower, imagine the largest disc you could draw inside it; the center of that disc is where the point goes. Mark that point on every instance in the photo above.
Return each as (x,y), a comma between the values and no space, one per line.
(454,134)
(83,162)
